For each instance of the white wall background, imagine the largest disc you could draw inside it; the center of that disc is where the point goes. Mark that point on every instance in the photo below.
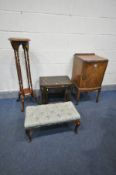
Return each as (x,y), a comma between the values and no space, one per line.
(57,29)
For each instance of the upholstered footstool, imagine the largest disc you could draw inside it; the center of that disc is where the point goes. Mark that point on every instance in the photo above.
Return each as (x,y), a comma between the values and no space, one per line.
(49,114)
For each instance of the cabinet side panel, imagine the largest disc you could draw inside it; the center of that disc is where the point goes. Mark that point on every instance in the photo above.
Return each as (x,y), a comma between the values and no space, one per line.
(77,70)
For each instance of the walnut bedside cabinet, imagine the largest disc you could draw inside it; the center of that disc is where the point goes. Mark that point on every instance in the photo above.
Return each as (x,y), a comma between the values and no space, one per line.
(88,72)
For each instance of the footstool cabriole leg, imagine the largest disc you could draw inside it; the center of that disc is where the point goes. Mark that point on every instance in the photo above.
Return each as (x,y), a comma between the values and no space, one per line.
(77,124)
(29,134)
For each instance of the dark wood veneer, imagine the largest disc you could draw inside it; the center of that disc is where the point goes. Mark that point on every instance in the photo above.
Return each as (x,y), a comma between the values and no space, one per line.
(55,82)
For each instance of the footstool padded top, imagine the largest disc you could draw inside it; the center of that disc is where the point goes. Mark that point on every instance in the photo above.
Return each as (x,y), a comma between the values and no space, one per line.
(48,114)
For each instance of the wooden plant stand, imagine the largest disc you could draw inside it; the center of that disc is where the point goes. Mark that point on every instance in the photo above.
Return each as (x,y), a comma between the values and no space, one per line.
(16,42)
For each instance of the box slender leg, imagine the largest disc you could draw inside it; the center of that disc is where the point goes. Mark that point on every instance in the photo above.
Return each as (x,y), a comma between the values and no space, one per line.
(45,96)
(67,94)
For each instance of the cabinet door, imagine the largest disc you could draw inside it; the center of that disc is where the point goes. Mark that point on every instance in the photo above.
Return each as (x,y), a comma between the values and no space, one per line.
(92,75)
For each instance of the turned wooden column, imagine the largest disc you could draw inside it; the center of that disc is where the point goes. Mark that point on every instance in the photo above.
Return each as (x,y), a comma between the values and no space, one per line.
(16,42)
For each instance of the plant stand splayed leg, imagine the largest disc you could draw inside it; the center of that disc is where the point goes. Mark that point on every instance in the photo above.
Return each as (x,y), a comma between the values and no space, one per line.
(16,42)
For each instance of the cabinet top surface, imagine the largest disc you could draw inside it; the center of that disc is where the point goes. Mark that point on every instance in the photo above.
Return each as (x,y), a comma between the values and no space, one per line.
(90,57)
(19,39)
